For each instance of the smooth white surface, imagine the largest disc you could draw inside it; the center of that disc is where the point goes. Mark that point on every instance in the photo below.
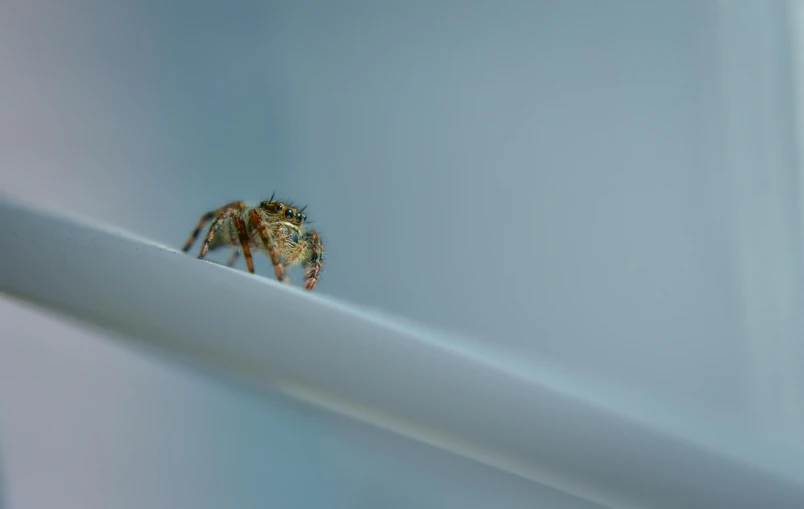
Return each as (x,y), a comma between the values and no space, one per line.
(416,383)
(88,421)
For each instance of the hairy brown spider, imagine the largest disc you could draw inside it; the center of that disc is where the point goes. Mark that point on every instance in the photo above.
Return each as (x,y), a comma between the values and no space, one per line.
(272,226)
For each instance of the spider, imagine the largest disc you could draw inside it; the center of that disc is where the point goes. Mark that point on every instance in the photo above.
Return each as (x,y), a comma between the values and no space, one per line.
(272,226)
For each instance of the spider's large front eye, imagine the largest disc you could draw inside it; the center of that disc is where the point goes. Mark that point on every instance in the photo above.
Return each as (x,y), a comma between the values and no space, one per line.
(299,217)
(289,213)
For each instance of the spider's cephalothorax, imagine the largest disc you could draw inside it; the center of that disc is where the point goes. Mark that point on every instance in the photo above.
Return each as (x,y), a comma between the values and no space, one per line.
(271,226)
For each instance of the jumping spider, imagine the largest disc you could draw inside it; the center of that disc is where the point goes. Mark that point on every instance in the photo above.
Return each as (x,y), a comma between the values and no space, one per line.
(272,226)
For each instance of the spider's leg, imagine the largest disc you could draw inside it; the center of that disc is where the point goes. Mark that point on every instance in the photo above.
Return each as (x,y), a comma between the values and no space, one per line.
(242,233)
(201,222)
(294,256)
(314,259)
(269,242)
(225,215)
(233,258)
(212,214)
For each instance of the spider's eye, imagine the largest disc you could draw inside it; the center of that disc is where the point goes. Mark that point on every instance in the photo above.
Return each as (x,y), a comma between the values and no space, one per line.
(279,207)
(304,217)
(289,213)
(299,217)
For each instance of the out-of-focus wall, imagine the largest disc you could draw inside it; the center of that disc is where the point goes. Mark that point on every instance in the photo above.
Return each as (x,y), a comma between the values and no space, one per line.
(589,187)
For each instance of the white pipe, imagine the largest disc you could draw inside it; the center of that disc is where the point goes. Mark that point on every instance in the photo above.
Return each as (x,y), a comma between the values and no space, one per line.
(413,381)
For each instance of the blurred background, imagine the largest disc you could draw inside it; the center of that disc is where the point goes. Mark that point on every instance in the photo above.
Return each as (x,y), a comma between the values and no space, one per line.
(610,191)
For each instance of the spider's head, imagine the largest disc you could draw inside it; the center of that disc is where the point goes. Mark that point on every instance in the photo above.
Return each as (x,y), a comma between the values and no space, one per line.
(284,212)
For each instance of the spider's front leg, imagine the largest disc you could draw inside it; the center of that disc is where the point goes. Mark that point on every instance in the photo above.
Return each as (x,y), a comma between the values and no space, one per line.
(309,251)
(269,241)
(314,258)
(242,233)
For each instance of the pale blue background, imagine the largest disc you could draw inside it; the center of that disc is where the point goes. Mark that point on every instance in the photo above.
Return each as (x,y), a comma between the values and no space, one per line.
(606,189)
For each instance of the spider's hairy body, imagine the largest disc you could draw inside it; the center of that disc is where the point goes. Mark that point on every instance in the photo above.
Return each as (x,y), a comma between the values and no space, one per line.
(286,234)
(273,227)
